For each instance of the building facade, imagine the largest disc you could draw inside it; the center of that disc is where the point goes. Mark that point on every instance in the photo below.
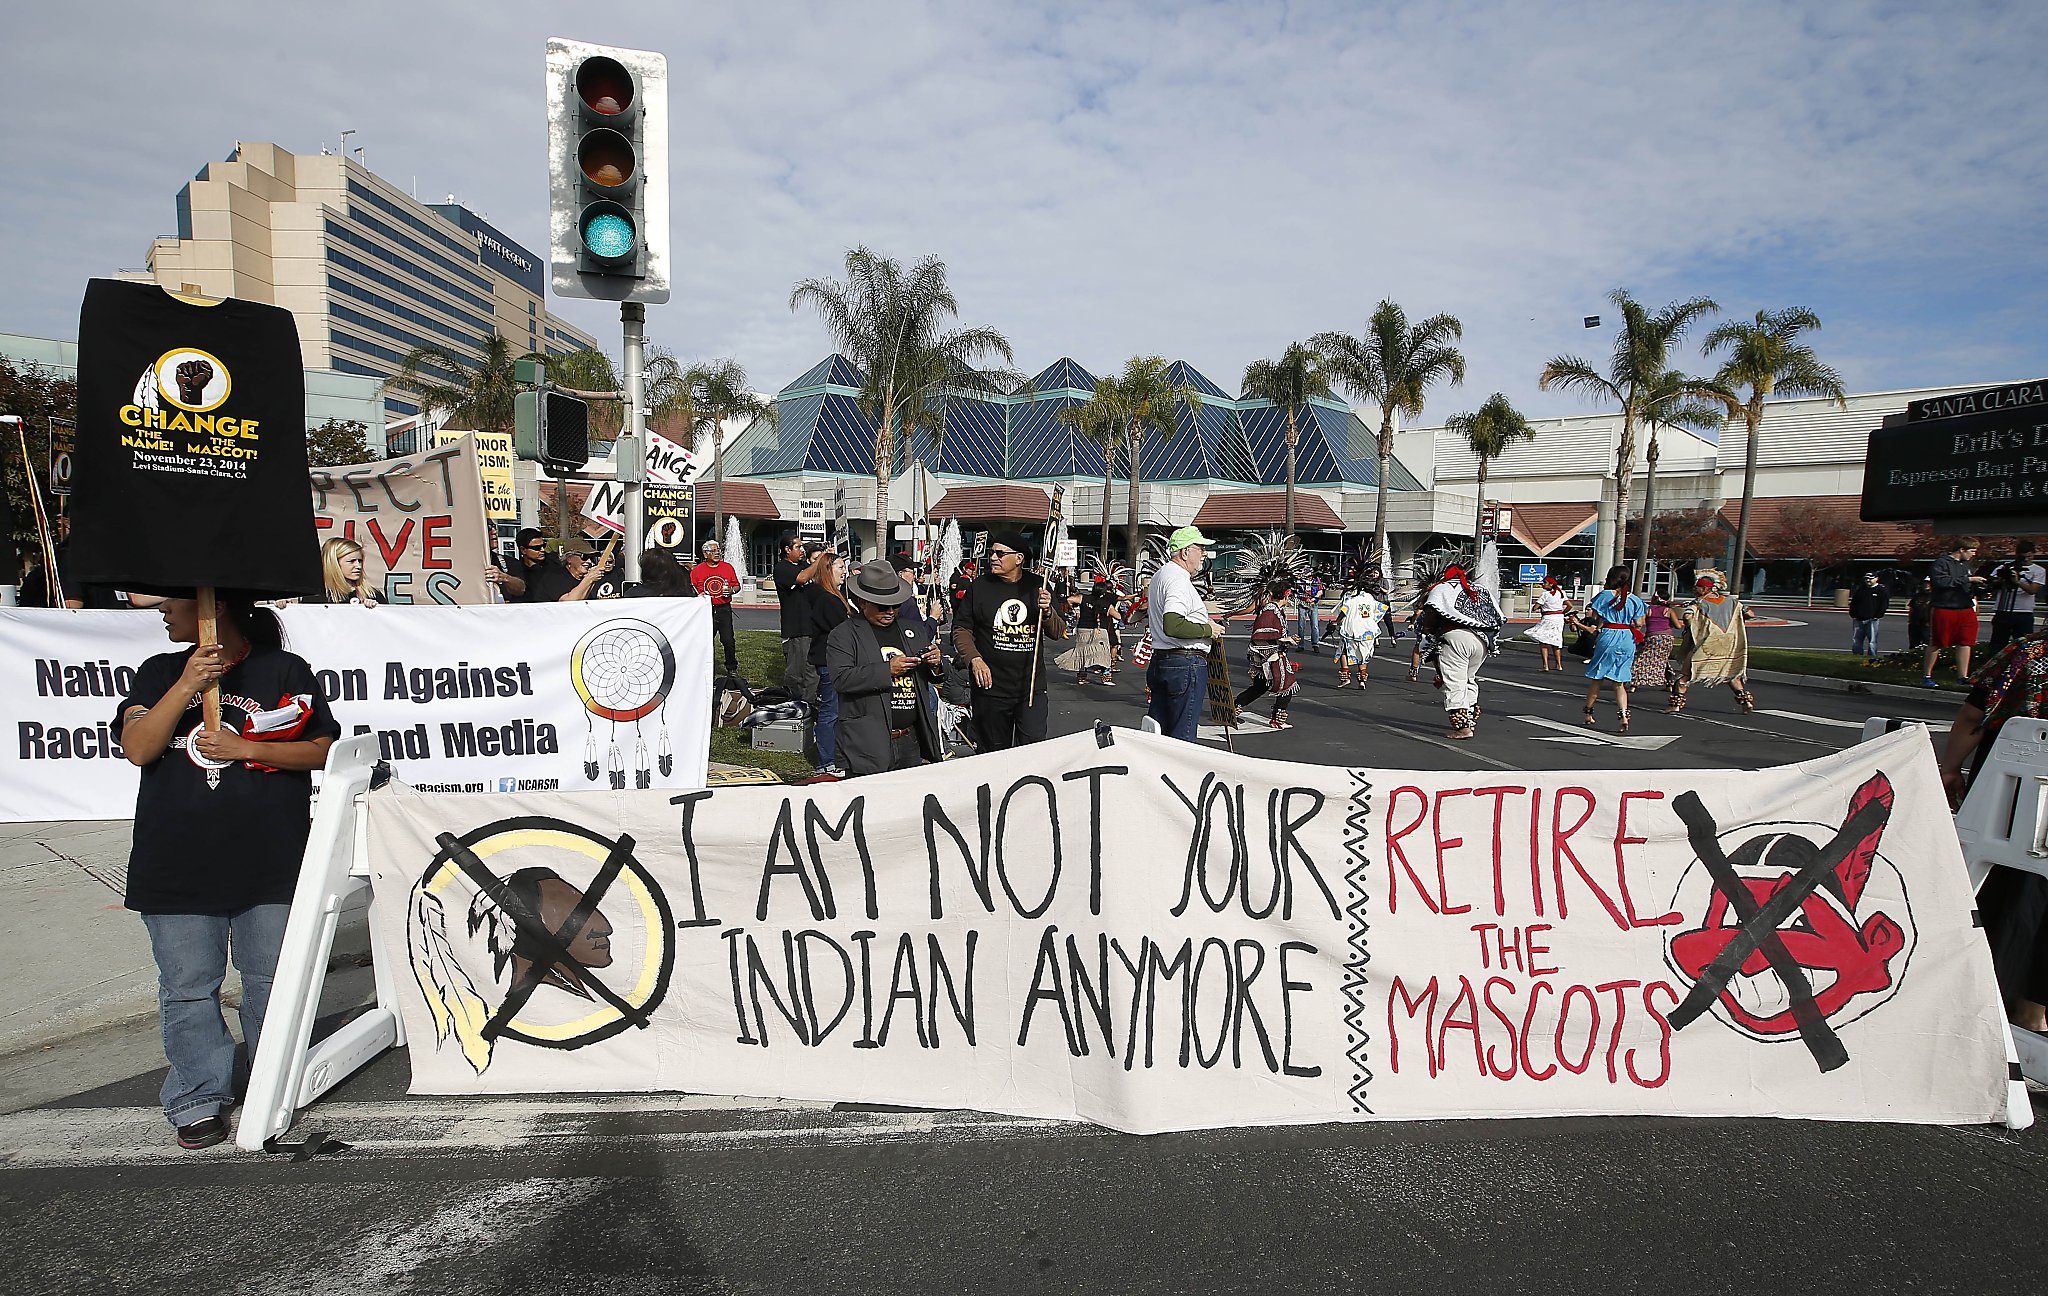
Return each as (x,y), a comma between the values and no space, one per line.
(369,272)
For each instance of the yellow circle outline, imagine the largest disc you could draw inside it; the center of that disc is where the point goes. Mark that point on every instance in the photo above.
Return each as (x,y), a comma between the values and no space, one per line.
(228,379)
(650,963)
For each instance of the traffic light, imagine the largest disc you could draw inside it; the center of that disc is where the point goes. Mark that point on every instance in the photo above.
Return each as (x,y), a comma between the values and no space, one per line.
(608,172)
(551,427)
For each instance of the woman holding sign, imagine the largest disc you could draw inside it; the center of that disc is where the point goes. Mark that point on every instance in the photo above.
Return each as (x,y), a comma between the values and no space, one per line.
(220,825)
(341,564)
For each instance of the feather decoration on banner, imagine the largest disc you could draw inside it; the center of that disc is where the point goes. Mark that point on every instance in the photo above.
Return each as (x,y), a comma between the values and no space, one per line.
(452,1000)
(1487,578)
(1271,559)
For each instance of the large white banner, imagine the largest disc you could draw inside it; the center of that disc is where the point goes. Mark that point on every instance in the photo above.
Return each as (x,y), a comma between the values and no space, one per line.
(575,696)
(1157,936)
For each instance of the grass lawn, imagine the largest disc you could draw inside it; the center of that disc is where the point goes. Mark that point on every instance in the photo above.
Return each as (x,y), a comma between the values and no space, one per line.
(761,663)
(1902,667)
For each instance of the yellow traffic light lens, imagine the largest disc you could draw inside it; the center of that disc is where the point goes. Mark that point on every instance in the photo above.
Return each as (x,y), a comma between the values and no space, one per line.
(605,86)
(606,158)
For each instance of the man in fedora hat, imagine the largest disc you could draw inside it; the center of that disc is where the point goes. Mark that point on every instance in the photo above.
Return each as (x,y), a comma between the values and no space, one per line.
(998,636)
(882,664)
(1180,629)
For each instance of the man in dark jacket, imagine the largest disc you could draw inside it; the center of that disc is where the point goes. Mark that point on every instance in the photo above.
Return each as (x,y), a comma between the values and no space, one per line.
(1867,606)
(997,631)
(882,667)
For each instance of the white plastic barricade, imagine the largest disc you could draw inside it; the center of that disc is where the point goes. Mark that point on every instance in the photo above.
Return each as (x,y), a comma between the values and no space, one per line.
(286,1074)
(2004,820)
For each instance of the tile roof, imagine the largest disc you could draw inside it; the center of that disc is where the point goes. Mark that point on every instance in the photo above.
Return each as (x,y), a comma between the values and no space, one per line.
(1260,510)
(1543,527)
(994,502)
(745,499)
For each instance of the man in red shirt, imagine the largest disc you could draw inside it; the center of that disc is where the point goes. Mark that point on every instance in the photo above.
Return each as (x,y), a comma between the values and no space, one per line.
(715,579)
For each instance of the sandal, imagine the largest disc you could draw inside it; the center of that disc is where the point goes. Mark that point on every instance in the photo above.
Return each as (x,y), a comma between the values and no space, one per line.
(1589,715)
(1677,703)
(1623,726)
(1745,700)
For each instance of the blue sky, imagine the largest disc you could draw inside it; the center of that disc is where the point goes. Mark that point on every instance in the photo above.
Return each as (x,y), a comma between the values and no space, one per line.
(1208,182)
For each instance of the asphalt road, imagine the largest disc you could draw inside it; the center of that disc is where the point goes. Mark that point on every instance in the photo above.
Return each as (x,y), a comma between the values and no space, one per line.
(663,1193)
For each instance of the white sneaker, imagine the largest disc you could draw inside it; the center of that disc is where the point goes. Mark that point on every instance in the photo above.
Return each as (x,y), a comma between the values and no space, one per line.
(831,771)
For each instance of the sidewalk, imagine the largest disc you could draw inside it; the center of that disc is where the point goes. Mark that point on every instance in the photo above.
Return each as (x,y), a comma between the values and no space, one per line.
(80,959)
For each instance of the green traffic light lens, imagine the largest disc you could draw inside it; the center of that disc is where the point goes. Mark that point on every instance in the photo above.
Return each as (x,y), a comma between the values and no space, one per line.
(608,232)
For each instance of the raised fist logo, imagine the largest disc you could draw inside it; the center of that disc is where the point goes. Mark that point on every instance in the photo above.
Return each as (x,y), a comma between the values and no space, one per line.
(193,375)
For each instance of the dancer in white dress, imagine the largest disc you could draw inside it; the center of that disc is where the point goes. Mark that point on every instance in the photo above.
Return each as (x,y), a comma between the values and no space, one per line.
(1548,631)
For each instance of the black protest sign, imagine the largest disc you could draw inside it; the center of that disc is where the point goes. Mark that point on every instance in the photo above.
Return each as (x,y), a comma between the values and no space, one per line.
(191,459)
(668,517)
(1988,461)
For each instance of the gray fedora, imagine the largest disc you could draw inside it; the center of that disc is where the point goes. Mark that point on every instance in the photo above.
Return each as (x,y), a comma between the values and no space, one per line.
(877,582)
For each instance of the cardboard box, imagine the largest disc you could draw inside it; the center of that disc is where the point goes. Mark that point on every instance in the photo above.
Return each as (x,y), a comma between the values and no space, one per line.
(782,736)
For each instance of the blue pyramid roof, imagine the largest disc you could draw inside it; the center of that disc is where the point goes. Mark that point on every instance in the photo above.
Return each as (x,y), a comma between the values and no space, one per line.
(835,370)
(1063,374)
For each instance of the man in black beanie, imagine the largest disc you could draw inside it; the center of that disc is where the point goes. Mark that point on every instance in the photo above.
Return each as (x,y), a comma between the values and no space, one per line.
(998,636)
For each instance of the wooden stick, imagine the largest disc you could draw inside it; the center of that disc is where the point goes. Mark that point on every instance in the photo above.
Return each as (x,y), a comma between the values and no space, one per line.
(209,637)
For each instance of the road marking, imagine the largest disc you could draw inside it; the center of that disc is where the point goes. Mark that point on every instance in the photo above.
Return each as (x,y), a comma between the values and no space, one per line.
(1464,750)
(1641,742)
(72,1137)
(1811,719)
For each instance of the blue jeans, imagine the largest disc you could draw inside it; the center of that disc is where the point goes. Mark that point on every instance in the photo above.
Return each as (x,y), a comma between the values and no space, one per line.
(191,958)
(1180,687)
(1310,627)
(826,732)
(1865,640)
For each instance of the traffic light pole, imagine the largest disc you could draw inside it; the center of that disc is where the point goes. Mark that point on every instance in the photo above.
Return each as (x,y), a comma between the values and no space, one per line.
(630,456)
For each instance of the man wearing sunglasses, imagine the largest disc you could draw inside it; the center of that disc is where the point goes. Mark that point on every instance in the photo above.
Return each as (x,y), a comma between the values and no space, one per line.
(997,634)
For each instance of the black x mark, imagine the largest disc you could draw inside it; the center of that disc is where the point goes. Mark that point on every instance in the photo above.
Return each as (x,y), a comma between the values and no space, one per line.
(554,945)
(1759,930)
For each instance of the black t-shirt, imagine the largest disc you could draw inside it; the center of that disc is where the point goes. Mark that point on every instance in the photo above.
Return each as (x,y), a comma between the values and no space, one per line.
(1097,608)
(895,640)
(823,612)
(218,850)
(1005,620)
(787,595)
(547,582)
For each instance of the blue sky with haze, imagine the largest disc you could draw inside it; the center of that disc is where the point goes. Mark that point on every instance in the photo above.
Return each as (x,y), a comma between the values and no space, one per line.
(1208,182)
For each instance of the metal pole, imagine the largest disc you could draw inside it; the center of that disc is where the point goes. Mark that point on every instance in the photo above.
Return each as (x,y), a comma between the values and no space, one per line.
(633,470)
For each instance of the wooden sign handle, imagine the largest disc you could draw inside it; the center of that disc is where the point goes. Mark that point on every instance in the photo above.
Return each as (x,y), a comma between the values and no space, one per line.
(209,636)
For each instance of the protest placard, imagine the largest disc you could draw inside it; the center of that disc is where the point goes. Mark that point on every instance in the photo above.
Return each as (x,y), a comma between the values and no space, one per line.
(420,520)
(1154,935)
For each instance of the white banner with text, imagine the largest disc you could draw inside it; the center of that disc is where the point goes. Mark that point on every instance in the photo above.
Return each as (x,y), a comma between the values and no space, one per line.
(590,696)
(1154,935)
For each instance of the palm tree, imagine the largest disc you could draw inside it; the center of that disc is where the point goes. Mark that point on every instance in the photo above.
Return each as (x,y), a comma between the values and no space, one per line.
(1489,431)
(892,326)
(479,395)
(1766,356)
(1673,400)
(1149,402)
(1639,360)
(1392,367)
(1288,382)
(713,393)
(1102,418)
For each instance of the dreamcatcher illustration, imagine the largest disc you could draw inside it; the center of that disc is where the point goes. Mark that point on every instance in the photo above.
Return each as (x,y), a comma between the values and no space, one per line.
(623,670)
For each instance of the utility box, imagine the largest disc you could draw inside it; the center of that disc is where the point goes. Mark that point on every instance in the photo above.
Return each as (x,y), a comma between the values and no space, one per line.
(782,736)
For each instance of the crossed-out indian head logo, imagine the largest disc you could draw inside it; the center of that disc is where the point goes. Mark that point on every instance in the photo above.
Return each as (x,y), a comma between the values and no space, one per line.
(1795,929)
(178,405)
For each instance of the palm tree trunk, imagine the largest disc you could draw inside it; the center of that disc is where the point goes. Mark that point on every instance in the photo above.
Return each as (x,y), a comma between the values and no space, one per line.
(1753,415)
(1292,436)
(1137,441)
(718,482)
(1479,510)
(1386,448)
(885,463)
(1624,487)
(1649,513)
(1108,468)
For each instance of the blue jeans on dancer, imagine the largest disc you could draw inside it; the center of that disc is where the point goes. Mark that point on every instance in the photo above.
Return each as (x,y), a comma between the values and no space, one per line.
(1179,680)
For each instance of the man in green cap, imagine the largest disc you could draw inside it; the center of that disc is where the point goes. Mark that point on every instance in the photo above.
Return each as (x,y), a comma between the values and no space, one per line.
(1181,632)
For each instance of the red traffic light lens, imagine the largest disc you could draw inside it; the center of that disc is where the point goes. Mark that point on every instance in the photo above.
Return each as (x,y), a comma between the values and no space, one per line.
(606,158)
(605,86)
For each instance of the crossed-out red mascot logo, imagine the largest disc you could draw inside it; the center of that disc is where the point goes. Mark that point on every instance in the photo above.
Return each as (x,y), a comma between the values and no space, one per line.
(1802,927)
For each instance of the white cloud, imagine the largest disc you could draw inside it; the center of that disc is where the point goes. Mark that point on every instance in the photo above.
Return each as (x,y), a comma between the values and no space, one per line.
(1205,181)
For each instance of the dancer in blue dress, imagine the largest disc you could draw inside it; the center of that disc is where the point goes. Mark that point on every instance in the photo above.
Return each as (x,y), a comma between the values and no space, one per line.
(1616,615)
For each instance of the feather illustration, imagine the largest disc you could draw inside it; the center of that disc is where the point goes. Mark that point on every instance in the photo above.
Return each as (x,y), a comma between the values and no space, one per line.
(451,996)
